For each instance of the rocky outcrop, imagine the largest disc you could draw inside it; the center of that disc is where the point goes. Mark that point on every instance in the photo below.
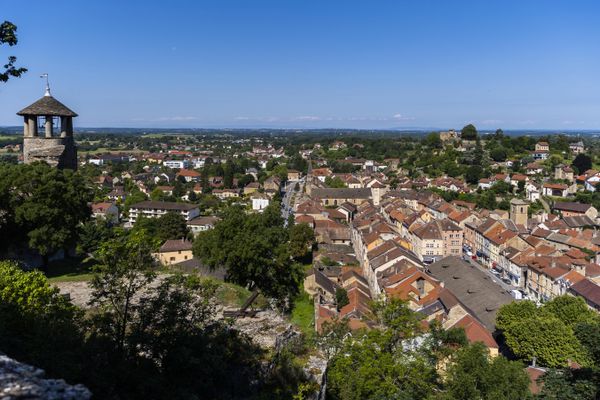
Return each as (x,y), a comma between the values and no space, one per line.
(20,381)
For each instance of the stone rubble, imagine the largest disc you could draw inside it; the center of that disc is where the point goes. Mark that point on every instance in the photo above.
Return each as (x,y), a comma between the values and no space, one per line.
(20,381)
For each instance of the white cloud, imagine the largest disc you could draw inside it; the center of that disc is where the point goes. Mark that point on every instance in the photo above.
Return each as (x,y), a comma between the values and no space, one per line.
(307,118)
(177,118)
(400,117)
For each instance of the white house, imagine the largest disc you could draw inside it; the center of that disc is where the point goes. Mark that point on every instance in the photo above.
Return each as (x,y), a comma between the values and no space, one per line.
(176,164)
(156,209)
(201,224)
(260,201)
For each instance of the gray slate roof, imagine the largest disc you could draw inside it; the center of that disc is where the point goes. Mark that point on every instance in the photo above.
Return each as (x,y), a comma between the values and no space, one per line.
(48,105)
(342,193)
(472,287)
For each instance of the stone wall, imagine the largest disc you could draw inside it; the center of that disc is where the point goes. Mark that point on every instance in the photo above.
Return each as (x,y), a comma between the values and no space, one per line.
(58,152)
(20,381)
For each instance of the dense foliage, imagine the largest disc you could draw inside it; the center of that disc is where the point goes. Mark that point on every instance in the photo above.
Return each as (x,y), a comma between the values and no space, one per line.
(145,337)
(548,332)
(257,250)
(399,361)
(42,206)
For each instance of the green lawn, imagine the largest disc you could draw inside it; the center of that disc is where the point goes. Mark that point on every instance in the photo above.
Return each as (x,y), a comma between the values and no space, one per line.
(232,295)
(303,314)
(70,270)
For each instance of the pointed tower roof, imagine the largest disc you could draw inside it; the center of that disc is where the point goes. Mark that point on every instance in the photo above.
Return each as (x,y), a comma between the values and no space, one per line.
(48,105)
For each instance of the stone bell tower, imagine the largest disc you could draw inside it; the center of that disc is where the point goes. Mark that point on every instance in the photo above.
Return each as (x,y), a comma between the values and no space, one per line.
(56,148)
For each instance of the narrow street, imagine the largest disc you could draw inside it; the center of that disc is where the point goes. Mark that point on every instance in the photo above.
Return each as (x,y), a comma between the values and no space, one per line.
(287,205)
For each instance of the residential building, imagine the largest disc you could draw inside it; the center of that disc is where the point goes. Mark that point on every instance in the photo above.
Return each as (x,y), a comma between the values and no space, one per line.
(174,251)
(555,189)
(260,201)
(577,147)
(201,224)
(437,239)
(336,197)
(176,164)
(574,209)
(189,175)
(107,211)
(156,209)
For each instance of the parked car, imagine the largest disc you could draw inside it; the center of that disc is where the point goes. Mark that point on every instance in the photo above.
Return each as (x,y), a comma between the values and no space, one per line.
(516,294)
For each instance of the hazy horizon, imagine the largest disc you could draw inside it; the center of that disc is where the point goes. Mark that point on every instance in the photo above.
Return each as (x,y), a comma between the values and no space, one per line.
(306,65)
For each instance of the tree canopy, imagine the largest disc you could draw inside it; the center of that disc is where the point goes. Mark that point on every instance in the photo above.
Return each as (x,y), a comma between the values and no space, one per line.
(399,361)
(43,206)
(8,35)
(582,163)
(468,132)
(255,250)
(547,332)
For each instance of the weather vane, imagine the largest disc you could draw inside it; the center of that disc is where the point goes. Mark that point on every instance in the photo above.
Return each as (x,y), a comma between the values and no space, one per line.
(45,75)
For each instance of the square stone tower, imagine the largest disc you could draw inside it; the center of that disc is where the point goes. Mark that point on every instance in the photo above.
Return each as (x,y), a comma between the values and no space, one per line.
(518,211)
(56,148)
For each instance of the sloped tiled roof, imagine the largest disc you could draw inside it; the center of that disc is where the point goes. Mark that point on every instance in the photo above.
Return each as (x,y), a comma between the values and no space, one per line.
(48,105)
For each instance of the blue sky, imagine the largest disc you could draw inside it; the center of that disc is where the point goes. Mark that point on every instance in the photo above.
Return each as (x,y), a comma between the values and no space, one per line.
(287,63)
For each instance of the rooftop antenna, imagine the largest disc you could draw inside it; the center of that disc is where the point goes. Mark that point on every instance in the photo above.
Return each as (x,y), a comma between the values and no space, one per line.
(47,94)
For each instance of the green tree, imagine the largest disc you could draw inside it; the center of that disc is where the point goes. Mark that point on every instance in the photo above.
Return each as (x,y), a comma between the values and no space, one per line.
(8,35)
(228,174)
(341,298)
(245,180)
(468,132)
(255,251)
(124,268)
(570,310)
(588,335)
(172,225)
(473,174)
(134,197)
(302,238)
(374,364)
(570,384)
(582,163)
(498,154)
(474,375)
(515,312)
(45,204)
(38,325)
(548,339)
(334,182)
(157,194)
(92,234)
(433,140)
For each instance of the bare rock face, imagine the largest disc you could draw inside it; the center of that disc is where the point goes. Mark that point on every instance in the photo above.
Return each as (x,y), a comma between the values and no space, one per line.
(20,381)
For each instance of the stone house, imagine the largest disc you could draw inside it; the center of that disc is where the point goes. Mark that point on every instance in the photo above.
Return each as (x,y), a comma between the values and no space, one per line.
(174,251)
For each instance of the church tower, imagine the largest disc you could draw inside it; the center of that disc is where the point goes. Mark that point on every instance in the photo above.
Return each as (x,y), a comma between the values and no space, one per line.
(518,211)
(57,148)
